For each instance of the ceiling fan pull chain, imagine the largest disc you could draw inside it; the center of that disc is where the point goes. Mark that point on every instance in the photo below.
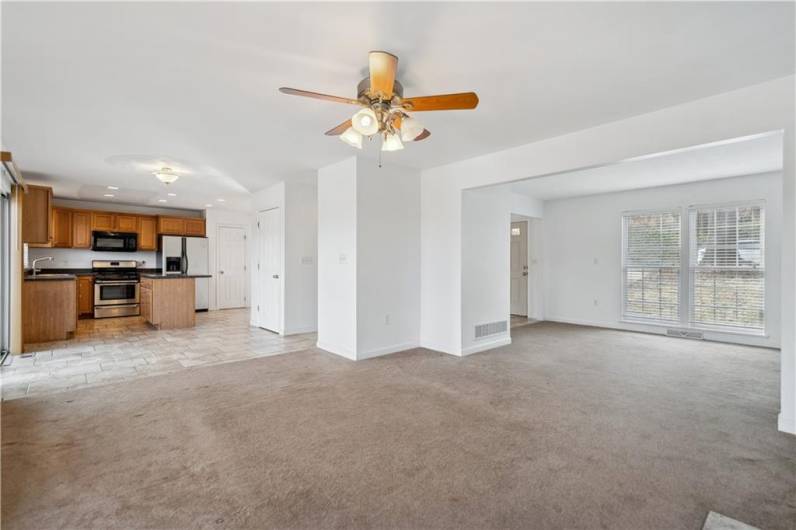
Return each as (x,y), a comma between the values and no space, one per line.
(379,158)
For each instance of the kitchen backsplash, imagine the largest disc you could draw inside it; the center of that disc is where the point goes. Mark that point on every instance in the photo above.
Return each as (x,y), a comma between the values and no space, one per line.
(75,258)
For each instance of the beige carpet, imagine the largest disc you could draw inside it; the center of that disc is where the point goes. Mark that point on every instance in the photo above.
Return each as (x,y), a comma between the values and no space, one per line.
(569,427)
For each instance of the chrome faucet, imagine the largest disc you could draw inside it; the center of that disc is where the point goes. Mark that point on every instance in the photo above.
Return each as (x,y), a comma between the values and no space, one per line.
(35,261)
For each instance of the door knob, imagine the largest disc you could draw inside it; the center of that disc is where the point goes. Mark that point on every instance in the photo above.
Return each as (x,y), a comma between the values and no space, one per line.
(221,272)
(275,276)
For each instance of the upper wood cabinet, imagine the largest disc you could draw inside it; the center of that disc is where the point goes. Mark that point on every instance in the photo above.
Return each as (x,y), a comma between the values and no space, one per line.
(195,227)
(125,222)
(81,229)
(102,221)
(171,225)
(37,216)
(147,233)
(62,228)
(181,226)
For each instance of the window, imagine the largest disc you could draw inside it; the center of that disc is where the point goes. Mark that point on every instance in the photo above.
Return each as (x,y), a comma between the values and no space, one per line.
(727,272)
(651,266)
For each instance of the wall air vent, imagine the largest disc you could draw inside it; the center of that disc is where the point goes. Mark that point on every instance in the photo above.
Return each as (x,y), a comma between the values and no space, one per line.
(492,328)
(685,334)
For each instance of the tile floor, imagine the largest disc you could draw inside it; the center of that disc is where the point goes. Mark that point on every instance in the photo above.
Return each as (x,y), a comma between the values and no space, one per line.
(118,349)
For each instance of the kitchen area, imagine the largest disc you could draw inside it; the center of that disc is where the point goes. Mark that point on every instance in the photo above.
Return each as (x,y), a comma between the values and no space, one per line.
(114,292)
(54,297)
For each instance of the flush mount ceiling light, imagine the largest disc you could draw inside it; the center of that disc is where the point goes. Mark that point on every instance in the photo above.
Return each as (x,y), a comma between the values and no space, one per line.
(385,108)
(166,175)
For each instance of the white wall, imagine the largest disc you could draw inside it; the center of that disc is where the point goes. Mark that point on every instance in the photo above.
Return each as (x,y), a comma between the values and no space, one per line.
(486,254)
(337,258)
(574,280)
(120,207)
(764,107)
(301,248)
(297,201)
(368,258)
(215,218)
(388,259)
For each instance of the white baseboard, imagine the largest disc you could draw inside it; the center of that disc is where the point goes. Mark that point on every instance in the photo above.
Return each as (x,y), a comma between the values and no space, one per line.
(786,424)
(439,348)
(300,329)
(337,350)
(386,350)
(487,345)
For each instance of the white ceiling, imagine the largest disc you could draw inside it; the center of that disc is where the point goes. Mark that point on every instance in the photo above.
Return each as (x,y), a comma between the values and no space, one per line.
(731,158)
(195,84)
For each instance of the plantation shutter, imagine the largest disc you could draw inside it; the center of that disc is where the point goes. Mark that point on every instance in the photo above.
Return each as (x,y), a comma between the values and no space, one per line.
(651,266)
(727,269)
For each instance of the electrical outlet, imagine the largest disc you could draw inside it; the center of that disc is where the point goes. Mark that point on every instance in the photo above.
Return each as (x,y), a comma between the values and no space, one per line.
(386,320)
(596,302)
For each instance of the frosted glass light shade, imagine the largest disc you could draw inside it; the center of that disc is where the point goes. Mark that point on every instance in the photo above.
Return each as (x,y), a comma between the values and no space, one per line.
(365,122)
(392,142)
(410,129)
(166,175)
(352,138)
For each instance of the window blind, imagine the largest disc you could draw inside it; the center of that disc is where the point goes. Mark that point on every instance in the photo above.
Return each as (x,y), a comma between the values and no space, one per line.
(651,266)
(727,269)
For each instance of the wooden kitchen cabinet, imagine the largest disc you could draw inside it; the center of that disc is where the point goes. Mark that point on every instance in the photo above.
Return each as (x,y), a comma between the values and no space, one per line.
(85,295)
(49,311)
(62,228)
(195,227)
(125,223)
(81,229)
(174,226)
(147,233)
(102,221)
(37,216)
(169,303)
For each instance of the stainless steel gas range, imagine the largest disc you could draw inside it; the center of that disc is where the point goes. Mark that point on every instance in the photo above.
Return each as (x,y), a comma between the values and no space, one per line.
(116,288)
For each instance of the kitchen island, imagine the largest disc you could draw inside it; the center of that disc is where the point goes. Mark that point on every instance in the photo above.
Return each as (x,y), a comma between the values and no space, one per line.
(49,311)
(168,301)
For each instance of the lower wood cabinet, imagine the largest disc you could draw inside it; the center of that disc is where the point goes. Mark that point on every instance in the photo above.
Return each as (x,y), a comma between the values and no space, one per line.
(49,311)
(169,303)
(85,295)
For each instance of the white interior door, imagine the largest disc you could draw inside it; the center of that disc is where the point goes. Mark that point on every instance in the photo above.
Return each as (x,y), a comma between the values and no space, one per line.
(269,274)
(519,268)
(231,260)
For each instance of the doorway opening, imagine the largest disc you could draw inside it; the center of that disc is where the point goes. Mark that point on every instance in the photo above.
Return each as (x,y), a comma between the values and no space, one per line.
(524,297)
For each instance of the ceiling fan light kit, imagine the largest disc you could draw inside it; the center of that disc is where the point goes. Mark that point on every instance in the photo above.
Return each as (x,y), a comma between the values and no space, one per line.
(384,109)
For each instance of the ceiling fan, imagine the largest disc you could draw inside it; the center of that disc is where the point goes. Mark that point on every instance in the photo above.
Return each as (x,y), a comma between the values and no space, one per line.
(385,109)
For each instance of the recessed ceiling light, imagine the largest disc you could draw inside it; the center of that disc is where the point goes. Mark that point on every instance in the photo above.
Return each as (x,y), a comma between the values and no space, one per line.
(220,200)
(109,195)
(161,200)
(171,194)
(113,187)
(208,205)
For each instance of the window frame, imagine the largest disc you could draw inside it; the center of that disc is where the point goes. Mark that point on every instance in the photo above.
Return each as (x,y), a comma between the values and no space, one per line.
(724,328)
(624,317)
(685,294)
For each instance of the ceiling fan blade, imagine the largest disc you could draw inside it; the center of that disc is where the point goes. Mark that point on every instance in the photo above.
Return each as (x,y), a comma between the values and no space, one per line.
(423,135)
(316,95)
(383,66)
(464,100)
(340,129)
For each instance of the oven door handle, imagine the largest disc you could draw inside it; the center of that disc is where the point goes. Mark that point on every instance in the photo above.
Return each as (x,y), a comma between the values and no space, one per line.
(100,282)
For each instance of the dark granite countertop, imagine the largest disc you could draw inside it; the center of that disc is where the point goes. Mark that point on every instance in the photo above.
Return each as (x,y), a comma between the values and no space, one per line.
(160,276)
(49,276)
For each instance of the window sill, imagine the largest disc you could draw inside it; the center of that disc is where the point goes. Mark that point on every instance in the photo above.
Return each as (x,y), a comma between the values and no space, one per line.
(677,325)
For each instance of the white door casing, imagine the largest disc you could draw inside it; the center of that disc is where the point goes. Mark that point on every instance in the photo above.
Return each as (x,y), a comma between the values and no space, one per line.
(519,268)
(231,267)
(269,273)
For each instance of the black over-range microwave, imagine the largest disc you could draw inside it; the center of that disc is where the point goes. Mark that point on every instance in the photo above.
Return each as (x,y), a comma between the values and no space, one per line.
(114,241)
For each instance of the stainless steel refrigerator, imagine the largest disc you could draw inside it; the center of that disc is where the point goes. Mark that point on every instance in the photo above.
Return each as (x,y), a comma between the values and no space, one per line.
(187,255)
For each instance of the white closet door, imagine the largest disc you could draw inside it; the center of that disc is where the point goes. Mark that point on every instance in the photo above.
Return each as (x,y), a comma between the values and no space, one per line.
(270,269)
(231,259)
